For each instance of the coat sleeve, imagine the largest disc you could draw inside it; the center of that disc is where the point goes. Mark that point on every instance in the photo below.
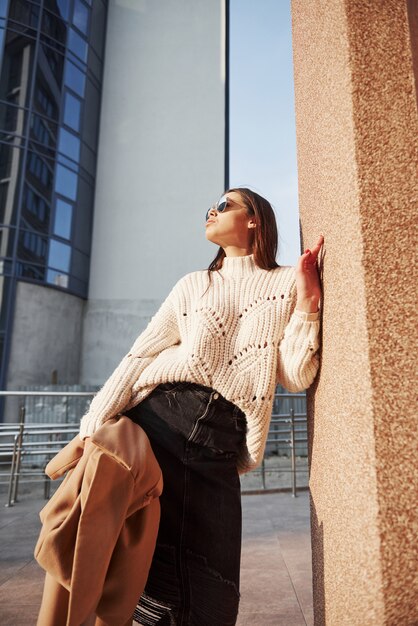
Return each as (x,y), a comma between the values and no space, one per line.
(161,332)
(298,359)
(106,492)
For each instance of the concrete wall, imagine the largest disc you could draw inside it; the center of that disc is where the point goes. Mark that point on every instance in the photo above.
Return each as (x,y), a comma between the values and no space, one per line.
(357,131)
(47,331)
(160,166)
(42,343)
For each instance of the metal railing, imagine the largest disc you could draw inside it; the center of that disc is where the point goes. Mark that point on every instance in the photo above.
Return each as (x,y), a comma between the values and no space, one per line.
(289,442)
(21,440)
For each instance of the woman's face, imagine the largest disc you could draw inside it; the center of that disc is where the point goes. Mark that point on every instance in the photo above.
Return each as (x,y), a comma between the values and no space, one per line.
(231,227)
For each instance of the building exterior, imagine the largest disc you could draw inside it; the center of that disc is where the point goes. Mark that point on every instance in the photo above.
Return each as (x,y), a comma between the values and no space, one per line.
(112,147)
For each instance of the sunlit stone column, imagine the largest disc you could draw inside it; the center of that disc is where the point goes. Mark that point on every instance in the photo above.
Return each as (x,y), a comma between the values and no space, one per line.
(357,132)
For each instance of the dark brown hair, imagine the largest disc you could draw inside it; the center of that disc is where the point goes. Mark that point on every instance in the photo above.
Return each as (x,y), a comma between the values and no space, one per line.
(263,240)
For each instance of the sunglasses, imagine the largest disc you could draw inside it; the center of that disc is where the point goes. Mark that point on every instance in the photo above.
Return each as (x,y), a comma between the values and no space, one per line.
(219,206)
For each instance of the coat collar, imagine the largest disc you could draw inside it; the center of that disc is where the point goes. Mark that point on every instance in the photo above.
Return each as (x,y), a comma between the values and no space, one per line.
(120,437)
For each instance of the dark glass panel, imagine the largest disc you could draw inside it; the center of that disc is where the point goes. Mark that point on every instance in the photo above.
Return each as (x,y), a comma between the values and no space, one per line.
(15,31)
(98,27)
(4,299)
(60,7)
(3,199)
(69,144)
(59,255)
(45,101)
(25,13)
(26,270)
(77,45)
(35,210)
(81,16)
(44,132)
(91,117)
(83,217)
(95,65)
(75,79)
(88,159)
(32,247)
(17,68)
(39,172)
(2,340)
(63,218)
(80,265)
(9,114)
(78,286)
(66,182)
(52,43)
(54,27)
(11,71)
(6,156)
(55,61)
(72,111)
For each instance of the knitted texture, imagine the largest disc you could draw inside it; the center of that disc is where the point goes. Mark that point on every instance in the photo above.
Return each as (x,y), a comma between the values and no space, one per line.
(241,336)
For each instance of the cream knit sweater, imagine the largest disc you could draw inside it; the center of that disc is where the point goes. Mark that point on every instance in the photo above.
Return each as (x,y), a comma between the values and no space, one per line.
(241,337)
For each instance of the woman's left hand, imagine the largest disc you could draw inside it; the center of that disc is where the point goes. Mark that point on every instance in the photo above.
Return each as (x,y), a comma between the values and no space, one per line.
(307,279)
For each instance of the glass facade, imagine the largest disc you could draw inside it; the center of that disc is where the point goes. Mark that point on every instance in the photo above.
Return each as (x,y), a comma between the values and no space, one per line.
(51,66)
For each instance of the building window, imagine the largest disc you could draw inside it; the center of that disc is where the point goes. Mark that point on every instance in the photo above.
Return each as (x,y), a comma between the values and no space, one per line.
(81,16)
(24,12)
(72,111)
(41,131)
(66,182)
(40,170)
(32,247)
(63,218)
(77,45)
(46,103)
(75,79)
(59,255)
(69,144)
(36,210)
(61,7)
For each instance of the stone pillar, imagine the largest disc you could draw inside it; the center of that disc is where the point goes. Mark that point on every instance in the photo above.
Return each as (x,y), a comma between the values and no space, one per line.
(357,132)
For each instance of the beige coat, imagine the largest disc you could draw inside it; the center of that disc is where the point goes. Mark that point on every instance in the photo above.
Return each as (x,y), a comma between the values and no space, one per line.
(100,527)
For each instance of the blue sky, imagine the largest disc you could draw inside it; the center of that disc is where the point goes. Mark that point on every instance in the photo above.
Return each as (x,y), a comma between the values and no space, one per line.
(262,117)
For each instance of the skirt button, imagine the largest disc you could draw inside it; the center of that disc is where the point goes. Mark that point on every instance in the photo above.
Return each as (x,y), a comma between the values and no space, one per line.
(215,395)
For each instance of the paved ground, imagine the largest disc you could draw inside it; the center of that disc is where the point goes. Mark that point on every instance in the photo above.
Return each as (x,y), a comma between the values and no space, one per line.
(276,580)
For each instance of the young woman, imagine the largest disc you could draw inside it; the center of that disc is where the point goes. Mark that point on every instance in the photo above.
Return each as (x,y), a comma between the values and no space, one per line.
(200,380)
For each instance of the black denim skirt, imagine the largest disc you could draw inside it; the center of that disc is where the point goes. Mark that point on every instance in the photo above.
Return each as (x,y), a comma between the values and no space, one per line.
(194,578)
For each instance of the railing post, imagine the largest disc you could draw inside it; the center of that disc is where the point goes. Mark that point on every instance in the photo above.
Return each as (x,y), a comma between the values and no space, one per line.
(292,450)
(47,480)
(22,415)
(263,473)
(12,472)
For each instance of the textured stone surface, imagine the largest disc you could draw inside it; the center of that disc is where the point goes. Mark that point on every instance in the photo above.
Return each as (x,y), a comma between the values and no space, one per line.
(356,116)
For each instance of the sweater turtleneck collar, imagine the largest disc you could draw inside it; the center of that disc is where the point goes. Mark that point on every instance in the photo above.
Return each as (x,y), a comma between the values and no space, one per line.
(238,266)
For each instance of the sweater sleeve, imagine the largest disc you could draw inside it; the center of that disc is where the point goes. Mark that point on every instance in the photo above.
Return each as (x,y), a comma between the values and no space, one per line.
(298,360)
(161,332)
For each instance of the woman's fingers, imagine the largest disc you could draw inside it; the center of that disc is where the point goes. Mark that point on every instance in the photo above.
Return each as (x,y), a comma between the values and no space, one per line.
(311,255)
